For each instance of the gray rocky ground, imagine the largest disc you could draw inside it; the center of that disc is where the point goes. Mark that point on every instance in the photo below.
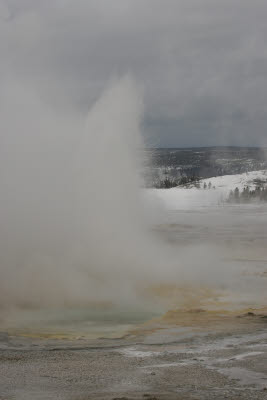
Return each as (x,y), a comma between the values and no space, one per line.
(229,361)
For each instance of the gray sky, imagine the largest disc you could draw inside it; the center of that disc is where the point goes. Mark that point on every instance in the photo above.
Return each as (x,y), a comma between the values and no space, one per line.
(203,63)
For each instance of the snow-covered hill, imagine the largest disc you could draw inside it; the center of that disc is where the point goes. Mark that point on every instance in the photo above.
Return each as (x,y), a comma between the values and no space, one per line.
(205,162)
(181,198)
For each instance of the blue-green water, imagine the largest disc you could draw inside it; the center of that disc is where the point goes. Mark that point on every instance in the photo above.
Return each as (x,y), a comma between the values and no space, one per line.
(91,323)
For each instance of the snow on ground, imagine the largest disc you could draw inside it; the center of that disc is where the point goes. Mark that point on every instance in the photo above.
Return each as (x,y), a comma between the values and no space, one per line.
(182,198)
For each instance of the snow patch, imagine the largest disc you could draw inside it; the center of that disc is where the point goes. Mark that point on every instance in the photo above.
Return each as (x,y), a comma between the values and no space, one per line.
(181,198)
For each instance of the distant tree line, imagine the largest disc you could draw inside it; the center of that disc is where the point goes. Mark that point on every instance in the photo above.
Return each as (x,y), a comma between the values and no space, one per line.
(168,183)
(247,195)
(185,181)
(208,186)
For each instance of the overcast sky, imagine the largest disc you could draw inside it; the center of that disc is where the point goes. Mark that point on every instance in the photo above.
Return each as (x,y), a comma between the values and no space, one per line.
(202,63)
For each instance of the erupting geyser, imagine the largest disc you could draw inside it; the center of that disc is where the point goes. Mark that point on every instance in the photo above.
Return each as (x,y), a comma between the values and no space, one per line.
(73,224)
(72,227)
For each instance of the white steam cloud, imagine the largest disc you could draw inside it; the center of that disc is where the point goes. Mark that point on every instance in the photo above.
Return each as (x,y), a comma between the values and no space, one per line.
(68,193)
(73,227)
(73,220)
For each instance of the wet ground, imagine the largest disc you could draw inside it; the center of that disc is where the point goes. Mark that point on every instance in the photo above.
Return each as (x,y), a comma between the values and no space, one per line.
(212,344)
(161,362)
